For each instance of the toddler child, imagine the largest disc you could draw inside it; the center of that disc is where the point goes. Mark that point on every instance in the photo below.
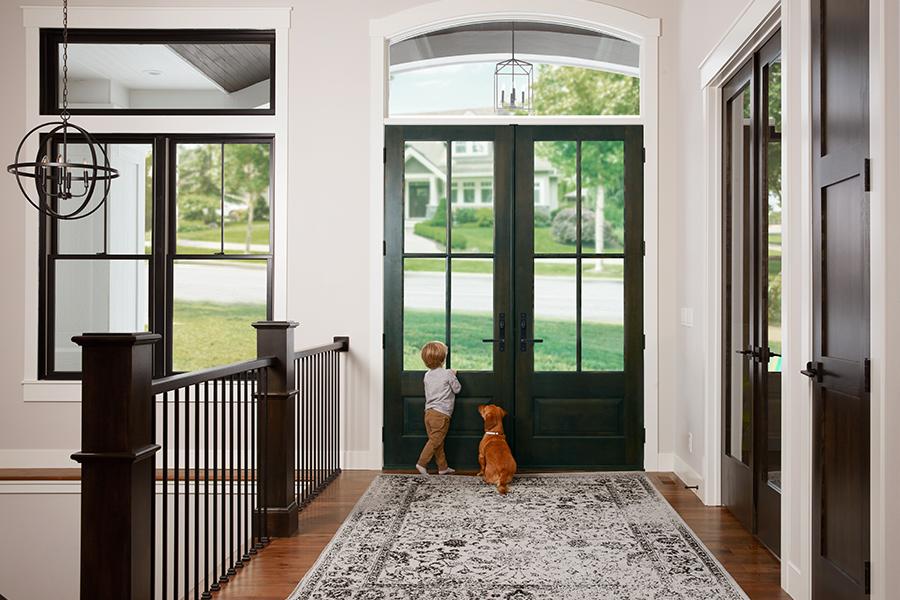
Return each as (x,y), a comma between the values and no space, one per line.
(441,387)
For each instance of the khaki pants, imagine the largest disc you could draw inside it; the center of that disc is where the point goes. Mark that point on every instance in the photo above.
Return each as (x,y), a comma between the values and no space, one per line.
(436,426)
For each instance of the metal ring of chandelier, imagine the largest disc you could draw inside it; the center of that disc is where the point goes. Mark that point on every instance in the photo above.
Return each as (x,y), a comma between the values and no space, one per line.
(63,174)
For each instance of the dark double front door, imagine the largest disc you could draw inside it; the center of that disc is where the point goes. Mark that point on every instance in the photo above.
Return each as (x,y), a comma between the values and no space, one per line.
(527,261)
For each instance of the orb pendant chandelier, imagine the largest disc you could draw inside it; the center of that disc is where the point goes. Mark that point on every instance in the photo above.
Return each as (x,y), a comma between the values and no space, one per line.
(64,186)
(512,83)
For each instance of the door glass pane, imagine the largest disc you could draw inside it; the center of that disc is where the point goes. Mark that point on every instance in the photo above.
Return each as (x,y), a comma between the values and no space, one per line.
(773,185)
(125,222)
(603,314)
(602,196)
(473,220)
(424,307)
(739,403)
(555,310)
(425,197)
(97,296)
(247,198)
(472,314)
(198,198)
(555,227)
(215,303)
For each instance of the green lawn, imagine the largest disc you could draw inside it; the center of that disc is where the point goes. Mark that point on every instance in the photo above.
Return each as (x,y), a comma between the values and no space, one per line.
(610,270)
(234,232)
(602,343)
(481,239)
(209,334)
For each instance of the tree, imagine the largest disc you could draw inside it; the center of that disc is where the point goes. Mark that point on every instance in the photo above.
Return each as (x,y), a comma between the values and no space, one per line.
(581,91)
(247,176)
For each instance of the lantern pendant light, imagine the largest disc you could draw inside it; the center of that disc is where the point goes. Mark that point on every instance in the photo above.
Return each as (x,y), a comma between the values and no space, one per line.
(64,186)
(512,83)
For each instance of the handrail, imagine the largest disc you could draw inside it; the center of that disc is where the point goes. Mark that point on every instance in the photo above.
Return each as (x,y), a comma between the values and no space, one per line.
(174,382)
(340,344)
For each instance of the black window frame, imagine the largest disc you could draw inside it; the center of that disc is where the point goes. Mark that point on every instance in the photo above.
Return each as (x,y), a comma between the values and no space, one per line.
(51,38)
(163,253)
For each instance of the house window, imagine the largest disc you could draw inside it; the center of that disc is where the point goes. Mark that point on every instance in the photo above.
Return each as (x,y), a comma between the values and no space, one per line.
(160,71)
(451,71)
(469,192)
(191,260)
(487,192)
(538,193)
(469,148)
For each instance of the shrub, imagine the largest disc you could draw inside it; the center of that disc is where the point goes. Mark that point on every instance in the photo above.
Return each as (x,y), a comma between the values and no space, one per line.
(197,207)
(439,234)
(564,228)
(484,217)
(541,218)
(463,216)
(439,218)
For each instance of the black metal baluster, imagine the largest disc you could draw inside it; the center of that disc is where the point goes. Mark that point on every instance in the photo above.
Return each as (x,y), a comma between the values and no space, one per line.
(238,563)
(206,529)
(320,433)
(254,500)
(231,520)
(336,424)
(165,498)
(196,491)
(307,431)
(175,493)
(297,403)
(223,481)
(326,421)
(187,492)
(214,576)
(246,489)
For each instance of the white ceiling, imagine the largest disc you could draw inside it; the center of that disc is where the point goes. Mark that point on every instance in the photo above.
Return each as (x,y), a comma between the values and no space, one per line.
(127,64)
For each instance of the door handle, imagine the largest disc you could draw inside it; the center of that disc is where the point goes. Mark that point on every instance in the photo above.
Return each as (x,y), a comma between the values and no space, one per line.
(524,340)
(750,353)
(500,341)
(813,370)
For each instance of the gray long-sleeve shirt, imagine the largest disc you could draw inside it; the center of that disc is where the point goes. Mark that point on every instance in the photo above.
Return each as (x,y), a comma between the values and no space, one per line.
(441,387)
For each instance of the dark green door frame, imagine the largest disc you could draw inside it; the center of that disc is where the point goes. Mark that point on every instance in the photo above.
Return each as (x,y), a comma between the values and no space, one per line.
(610,435)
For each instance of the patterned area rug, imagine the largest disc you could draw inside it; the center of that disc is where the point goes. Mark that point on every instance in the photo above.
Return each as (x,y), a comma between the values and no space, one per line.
(572,537)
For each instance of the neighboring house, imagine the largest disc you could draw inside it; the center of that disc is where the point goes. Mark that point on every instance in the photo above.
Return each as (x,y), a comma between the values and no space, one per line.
(472,178)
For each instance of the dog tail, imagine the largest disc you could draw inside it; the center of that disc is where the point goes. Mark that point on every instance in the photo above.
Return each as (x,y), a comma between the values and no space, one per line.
(501,487)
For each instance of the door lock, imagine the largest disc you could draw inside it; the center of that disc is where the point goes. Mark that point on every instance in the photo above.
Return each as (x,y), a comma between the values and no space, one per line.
(500,341)
(523,334)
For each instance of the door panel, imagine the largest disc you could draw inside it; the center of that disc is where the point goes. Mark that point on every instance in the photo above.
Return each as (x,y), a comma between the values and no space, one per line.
(751,463)
(839,366)
(579,361)
(554,335)
(454,287)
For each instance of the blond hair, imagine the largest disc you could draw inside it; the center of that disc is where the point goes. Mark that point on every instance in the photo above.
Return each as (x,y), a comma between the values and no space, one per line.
(434,354)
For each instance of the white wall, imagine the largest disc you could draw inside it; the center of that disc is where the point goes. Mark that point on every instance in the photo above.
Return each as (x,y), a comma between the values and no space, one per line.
(689,229)
(329,241)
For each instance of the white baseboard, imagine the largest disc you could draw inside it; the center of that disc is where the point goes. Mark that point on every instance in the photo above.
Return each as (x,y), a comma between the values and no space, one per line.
(51,458)
(688,475)
(795,584)
(361,460)
(665,462)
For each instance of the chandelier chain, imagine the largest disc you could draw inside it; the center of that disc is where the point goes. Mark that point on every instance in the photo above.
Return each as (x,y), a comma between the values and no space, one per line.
(65,107)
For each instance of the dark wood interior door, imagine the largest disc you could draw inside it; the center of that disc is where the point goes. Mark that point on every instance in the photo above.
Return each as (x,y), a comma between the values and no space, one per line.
(751,462)
(839,369)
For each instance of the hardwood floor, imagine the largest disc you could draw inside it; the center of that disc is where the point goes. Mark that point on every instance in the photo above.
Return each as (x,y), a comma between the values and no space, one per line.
(274,573)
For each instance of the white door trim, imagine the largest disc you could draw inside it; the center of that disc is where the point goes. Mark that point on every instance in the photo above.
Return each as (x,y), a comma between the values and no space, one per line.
(581,13)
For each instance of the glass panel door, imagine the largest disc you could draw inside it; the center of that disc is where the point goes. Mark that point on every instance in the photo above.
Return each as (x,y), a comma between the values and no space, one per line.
(446,278)
(578,268)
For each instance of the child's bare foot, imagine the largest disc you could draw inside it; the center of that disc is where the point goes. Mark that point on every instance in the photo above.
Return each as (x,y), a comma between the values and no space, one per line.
(447,471)
(422,470)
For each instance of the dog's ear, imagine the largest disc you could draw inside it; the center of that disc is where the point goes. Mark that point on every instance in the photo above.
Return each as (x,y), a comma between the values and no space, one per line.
(481,410)
(503,413)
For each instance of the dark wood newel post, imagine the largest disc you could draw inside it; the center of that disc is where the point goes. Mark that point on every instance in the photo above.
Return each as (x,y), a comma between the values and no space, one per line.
(117,465)
(276,339)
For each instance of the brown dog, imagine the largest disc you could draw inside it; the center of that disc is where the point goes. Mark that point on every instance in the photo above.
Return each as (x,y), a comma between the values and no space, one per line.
(497,463)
